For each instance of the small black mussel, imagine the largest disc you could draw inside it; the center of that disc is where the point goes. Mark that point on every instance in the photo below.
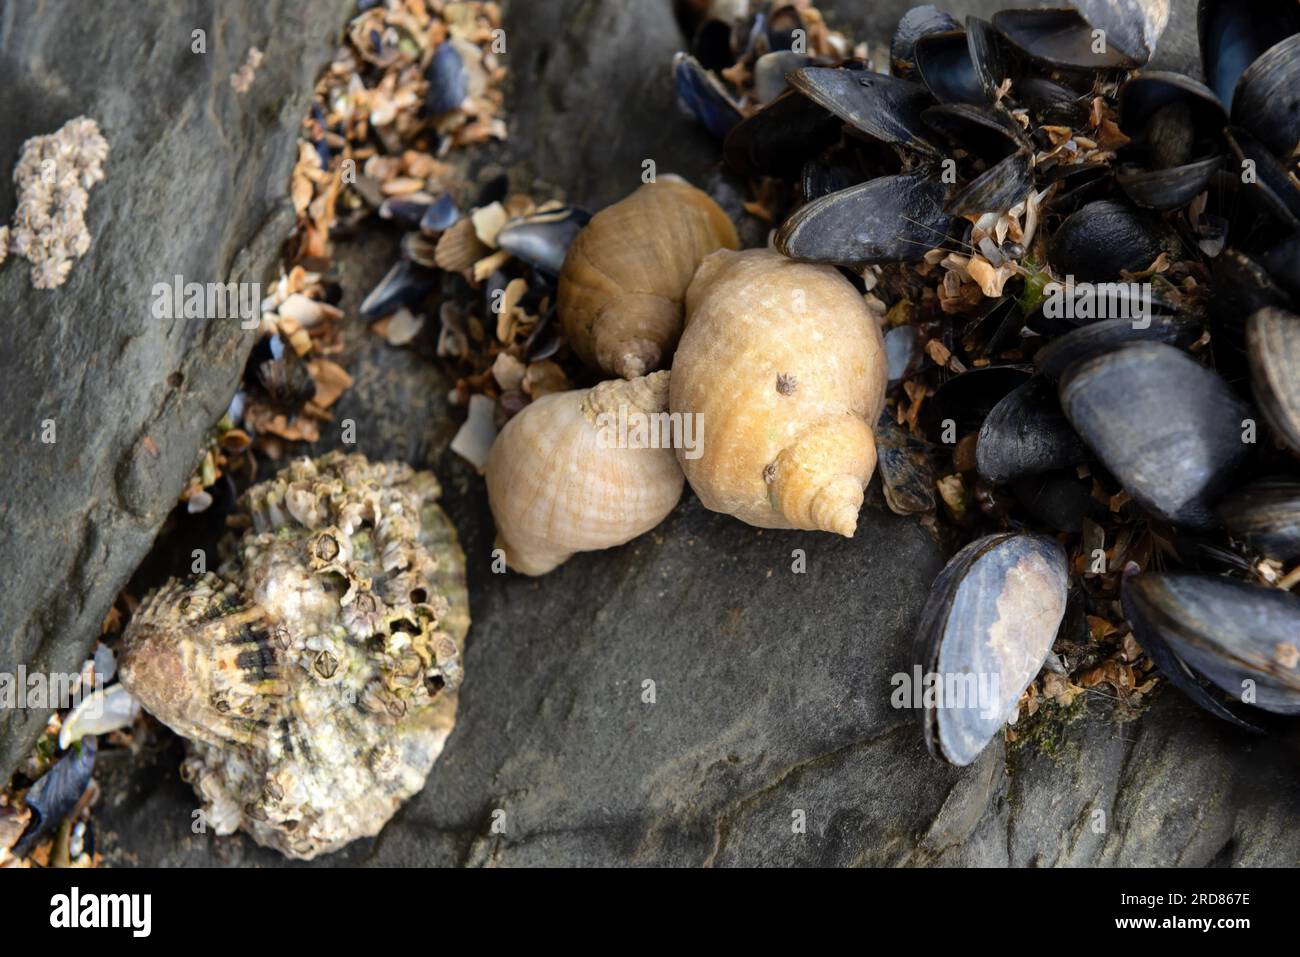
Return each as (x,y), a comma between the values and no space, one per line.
(542,238)
(448,83)
(1243,639)
(704,96)
(1168,428)
(912,26)
(1266,514)
(1103,239)
(405,284)
(57,792)
(987,626)
(1026,433)
(906,475)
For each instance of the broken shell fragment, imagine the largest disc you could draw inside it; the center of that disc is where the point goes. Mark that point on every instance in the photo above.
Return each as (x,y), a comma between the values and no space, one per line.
(984,633)
(787,428)
(582,470)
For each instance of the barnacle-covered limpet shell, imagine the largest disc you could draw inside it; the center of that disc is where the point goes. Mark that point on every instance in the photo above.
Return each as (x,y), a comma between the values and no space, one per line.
(315,674)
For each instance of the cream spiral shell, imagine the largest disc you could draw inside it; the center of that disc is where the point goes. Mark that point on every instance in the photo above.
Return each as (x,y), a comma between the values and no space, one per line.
(558,482)
(621,287)
(785,365)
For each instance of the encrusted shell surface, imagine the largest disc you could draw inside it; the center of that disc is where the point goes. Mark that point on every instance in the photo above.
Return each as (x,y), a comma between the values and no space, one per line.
(315,675)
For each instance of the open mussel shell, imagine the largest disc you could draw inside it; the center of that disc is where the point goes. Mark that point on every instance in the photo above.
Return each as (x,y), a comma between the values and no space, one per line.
(1243,638)
(1097,338)
(1026,433)
(1099,241)
(778,139)
(1065,39)
(542,239)
(704,96)
(884,107)
(1235,33)
(961,66)
(889,219)
(982,130)
(912,26)
(987,626)
(1273,348)
(1176,125)
(1266,515)
(1169,429)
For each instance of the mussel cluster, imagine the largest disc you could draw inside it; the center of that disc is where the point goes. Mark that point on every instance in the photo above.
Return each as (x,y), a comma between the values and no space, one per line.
(1132,454)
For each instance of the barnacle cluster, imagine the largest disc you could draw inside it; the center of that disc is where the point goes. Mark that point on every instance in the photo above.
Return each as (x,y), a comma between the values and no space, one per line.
(315,674)
(54,176)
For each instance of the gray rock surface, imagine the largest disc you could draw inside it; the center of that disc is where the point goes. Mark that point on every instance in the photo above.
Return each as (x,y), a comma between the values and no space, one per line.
(196,185)
(770,688)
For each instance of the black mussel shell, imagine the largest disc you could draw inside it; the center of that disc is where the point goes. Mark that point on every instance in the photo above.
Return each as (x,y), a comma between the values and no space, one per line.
(405,284)
(820,178)
(1027,433)
(1282,260)
(1053,102)
(1234,33)
(404,212)
(447,79)
(914,24)
(1088,342)
(1266,515)
(961,66)
(883,107)
(986,629)
(1169,429)
(906,475)
(889,219)
(1079,185)
(441,215)
(778,139)
(57,792)
(1242,287)
(772,72)
(1102,239)
(969,397)
(1131,26)
(1060,38)
(1273,348)
(704,96)
(1060,500)
(1243,638)
(1270,183)
(1166,189)
(997,189)
(982,130)
(542,239)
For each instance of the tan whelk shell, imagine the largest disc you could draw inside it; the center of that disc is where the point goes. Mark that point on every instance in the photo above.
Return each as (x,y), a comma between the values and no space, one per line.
(785,366)
(564,477)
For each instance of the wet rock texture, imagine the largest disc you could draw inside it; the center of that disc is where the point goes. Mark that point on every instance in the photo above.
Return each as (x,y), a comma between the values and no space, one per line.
(196,185)
(770,688)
